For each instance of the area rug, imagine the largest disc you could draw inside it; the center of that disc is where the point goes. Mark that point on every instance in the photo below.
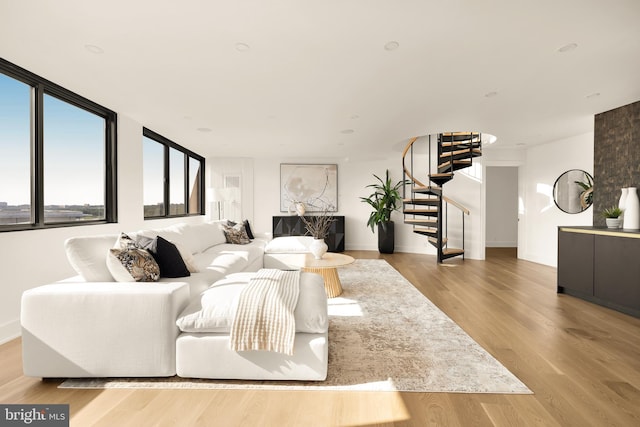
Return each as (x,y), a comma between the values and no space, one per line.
(384,335)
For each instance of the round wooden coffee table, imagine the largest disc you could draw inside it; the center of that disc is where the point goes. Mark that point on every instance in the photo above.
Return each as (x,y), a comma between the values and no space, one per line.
(326,267)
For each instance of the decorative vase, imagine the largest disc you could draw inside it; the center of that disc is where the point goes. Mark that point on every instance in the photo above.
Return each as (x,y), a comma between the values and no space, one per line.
(613,222)
(318,248)
(386,238)
(623,198)
(631,219)
(300,209)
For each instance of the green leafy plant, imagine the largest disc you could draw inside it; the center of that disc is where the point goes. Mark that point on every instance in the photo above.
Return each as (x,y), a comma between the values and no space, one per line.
(586,197)
(384,200)
(612,212)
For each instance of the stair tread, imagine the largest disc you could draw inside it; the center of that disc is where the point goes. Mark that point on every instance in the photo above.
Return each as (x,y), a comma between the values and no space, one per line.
(419,221)
(430,189)
(452,251)
(463,151)
(425,201)
(420,211)
(443,174)
(426,229)
(455,161)
(435,240)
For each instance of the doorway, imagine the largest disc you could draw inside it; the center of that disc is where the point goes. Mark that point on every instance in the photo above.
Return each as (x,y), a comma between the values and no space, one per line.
(501,213)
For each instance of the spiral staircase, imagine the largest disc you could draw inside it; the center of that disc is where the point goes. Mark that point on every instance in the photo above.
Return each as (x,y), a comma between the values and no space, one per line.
(425,207)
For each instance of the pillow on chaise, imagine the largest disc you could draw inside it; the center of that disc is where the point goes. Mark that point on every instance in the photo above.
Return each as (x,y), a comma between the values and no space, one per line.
(247,228)
(132,265)
(235,234)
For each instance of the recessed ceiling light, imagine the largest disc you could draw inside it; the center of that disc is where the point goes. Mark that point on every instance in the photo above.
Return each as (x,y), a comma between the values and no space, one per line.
(392,45)
(347,131)
(204,130)
(242,47)
(94,49)
(567,47)
(593,95)
(491,94)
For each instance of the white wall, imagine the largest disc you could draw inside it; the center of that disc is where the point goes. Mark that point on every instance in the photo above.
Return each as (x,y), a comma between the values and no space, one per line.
(36,257)
(501,207)
(539,216)
(353,177)
(235,210)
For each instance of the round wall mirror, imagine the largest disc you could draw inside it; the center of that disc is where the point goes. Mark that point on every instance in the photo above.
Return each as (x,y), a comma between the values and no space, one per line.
(573,191)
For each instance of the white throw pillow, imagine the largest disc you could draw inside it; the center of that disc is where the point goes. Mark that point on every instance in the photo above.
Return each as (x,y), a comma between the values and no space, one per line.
(87,255)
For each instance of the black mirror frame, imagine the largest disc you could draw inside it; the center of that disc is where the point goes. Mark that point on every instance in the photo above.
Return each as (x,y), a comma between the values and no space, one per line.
(586,197)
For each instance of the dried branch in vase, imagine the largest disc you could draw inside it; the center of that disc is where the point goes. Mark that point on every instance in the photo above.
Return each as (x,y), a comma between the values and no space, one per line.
(318,225)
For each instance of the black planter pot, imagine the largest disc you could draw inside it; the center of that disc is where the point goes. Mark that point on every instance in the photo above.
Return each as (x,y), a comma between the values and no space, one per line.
(386,238)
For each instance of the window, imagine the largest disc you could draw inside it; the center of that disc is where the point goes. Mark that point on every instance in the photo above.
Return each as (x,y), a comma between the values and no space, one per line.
(57,155)
(173,181)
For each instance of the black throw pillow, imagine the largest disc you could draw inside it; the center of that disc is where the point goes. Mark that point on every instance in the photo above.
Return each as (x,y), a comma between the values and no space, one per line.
(169,260)
(247,228)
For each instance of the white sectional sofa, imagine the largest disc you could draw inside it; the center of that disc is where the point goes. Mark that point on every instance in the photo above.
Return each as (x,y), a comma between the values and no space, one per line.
(93,326)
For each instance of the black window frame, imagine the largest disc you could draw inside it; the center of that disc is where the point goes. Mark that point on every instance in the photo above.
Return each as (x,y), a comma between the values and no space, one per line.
(39,88)
(167,145)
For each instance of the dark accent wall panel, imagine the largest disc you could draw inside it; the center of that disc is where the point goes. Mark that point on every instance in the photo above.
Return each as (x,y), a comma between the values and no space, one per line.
(616,157)
(292,225)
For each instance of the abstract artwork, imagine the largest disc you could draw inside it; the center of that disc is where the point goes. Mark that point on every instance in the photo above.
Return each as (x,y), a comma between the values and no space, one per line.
(315,186)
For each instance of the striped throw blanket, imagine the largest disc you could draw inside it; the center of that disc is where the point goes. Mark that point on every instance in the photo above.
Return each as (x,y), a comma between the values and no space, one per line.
(264,319)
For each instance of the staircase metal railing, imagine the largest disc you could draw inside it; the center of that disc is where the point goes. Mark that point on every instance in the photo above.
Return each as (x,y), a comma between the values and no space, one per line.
(415,186)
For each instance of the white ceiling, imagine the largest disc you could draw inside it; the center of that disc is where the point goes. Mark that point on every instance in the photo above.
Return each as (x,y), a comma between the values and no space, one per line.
(317,80)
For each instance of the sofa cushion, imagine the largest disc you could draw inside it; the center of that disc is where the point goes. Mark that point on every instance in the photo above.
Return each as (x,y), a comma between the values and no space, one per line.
(289,245)
(87,255)
(200,237)
(215,309)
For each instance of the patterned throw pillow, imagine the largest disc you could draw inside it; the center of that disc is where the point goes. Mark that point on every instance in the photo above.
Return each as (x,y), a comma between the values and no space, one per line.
(137,262)
(235,234)
(125,242)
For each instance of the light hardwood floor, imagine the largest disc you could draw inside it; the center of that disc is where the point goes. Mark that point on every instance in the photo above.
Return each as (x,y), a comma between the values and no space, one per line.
(582,362)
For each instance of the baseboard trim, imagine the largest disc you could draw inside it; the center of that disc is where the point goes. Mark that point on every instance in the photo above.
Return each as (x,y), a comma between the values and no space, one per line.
(501,244)
(9,331)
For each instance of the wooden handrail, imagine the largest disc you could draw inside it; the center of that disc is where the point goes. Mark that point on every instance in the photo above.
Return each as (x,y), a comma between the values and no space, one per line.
(456,204)
(404,166)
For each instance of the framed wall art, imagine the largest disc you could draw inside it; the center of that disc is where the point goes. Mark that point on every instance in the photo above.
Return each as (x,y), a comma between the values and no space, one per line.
(314,186)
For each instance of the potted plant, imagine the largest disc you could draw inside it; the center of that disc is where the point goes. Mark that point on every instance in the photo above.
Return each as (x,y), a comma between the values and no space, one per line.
(318,226)
(612,216)
(384,200)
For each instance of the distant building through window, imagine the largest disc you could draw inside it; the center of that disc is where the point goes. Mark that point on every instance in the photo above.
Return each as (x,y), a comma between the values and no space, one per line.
(173,178)
(57,154)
